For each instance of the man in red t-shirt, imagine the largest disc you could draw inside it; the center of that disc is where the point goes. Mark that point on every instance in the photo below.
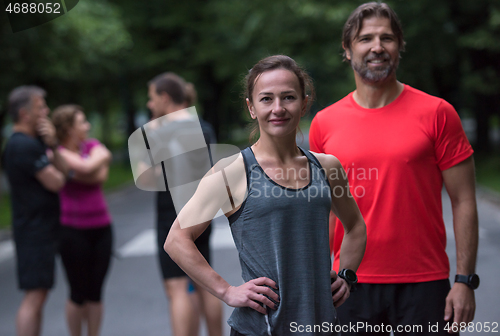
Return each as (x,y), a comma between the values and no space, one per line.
(398,146)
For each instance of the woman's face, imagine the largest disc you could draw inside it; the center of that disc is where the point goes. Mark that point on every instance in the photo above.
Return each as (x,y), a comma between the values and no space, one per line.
(80,127)
(277,102)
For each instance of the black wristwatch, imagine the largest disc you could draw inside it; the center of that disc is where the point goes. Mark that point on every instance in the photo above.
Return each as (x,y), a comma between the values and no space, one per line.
(471,280)
(350,277)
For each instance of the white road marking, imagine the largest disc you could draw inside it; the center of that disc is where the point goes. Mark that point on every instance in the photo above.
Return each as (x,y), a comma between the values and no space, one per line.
(144,244)
(6,250)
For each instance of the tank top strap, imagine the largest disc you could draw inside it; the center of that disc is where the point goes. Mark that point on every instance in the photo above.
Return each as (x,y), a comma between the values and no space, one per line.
(249,160)
(250,163)
(312,158)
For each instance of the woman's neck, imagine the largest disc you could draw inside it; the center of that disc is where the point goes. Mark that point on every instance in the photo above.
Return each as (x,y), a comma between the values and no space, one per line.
(283,149)
(71,145)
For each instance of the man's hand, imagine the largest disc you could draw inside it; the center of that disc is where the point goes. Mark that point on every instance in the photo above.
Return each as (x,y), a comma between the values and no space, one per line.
(47,131)
(340,289)
(252,294)
(460,303)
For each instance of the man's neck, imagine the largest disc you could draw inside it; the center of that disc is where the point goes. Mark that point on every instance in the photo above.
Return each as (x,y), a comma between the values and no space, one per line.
(177,112)
(377,95)
(26,129)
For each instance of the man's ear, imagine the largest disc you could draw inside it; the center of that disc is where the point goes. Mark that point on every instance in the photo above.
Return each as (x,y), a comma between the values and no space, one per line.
(251,109)
(347,52)
(23,113)
(165,98)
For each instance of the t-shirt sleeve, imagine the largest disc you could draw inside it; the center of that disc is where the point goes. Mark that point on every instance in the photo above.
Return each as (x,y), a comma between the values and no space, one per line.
(91,143)
(32,158)
(451,144)
(315,141)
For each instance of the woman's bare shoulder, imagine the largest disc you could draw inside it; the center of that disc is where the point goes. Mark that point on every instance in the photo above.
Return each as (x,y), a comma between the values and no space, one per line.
(327,161)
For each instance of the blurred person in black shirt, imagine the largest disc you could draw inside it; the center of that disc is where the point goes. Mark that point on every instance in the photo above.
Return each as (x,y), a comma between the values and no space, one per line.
(35,179)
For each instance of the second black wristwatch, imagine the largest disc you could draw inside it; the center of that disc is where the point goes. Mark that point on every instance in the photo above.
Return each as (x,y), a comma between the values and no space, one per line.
(471,280)
(350,277)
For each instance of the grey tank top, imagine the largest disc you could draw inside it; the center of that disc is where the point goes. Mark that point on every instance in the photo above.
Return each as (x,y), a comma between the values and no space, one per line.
(282,233)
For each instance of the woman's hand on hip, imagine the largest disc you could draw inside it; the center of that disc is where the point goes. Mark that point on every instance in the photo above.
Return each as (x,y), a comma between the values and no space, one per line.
(252,294)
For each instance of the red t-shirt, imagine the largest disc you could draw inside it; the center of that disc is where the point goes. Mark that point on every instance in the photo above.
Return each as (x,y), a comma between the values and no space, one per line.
(393,157)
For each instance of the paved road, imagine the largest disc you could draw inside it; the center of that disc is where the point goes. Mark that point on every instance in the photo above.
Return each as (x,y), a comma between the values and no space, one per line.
(134,299)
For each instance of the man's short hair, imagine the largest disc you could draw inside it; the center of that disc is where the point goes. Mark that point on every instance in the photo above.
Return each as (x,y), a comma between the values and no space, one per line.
(20,98)
(368,10)
(170,84)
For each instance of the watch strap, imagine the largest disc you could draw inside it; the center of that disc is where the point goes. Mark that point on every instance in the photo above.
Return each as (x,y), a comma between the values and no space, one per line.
(468,280)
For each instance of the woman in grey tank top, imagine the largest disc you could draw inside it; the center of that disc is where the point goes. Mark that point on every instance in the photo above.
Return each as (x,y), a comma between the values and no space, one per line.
(277,198)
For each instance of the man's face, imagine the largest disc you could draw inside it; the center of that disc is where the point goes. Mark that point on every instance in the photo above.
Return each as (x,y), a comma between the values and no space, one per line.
(37,109)
(374,53)
(156,102)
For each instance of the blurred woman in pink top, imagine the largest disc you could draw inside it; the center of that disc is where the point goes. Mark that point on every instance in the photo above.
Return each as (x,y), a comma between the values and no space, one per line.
(86,237)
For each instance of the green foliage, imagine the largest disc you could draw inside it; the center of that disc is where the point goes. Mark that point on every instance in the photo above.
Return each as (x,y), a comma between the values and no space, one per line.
(119,175)
(487,172)
(102,53)
(5,212)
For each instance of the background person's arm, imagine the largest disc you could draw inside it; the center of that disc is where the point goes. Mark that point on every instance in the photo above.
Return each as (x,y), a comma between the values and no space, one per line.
(51,178)
(99,156)
(459,181)
(97,177)
(47,132)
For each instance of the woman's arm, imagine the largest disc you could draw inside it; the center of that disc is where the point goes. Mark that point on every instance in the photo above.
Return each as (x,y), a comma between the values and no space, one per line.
(99,156)
(212,195)
(345,208)
(97,177)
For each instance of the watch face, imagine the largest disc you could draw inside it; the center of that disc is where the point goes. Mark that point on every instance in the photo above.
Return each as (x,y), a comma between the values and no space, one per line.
(350,275)
(474,281)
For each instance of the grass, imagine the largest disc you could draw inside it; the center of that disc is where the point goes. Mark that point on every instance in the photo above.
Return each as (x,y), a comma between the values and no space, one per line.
(119,174)
(4,211)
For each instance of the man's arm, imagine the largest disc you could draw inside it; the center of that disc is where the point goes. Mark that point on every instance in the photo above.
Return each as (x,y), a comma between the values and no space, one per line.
(51,178)
(459,181)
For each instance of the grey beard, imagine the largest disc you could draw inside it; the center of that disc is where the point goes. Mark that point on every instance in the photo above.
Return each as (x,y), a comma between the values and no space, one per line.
(371,76)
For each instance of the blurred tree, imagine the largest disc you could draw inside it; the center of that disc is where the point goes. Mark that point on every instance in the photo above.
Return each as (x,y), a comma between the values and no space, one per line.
(103,53)
(479,44)
(75,57)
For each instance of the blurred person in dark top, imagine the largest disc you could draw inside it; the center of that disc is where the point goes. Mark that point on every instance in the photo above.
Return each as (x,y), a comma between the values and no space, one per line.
(35,181)
(168,97)
(207,305)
